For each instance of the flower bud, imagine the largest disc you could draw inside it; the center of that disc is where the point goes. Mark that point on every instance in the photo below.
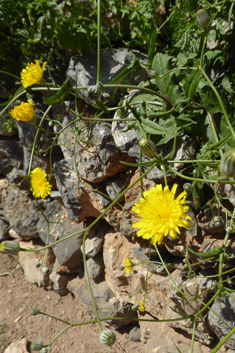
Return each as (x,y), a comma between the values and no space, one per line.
(34,311)
(45,269)
(36,346)
(187,187)
(228,163)
(44,350)
(37,265)
(147,147)
(107,337)
(135,307)
(9,247)
(203,18)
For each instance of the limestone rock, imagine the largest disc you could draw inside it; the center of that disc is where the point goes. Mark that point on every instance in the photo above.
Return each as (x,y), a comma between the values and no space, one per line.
(19,346)
(28,260)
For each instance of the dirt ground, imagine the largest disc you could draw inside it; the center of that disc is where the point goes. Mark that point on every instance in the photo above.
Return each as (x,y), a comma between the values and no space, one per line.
(18,297)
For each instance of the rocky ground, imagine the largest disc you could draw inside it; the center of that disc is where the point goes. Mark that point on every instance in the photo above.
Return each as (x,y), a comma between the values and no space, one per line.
(17,297)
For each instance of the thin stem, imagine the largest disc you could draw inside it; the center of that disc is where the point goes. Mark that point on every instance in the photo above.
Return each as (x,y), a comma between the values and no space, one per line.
(219,99)
(98,42)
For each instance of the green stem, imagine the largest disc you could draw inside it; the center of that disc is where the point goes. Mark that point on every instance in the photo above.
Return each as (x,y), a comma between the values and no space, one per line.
(36,136)
(98,42)
(219,99)
(165,267)
(222,342)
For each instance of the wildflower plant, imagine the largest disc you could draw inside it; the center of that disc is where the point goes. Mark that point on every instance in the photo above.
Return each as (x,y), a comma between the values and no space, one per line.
(184,94)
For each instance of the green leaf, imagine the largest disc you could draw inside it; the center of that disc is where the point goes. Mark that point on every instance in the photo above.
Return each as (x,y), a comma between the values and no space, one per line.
(198,194)
(162,64)
(144,98)
(210,100)
(40,23)
(155,129)
(226,84)
(59,96)
(168,85)
(191,84)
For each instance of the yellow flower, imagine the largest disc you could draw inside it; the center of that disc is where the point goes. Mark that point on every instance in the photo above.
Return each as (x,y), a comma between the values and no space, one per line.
(141,305)
(40,187)
(161,214)
(129,265)
(32,74)
(24,111)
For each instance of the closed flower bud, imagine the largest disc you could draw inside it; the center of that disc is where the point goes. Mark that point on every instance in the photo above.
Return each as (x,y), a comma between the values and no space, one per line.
(37,265)
(36,346)
(147,147)
(45,269)
(34,311)
(44,350)
(187,187)
(135,307)
(228,163)
(203,18)
(107,337)
(9,247)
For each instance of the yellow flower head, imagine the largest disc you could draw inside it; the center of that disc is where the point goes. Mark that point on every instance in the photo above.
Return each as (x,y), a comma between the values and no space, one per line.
(40,186)
(32,74)
(24,111)
(161,214)
(141,305)
(129,265)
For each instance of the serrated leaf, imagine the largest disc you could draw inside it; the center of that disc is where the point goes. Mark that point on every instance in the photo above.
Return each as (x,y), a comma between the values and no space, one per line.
(168,85)
(210,100)
(153,128)
(197,194)
(226,84)
(144,98)
(162,64)
(191,84)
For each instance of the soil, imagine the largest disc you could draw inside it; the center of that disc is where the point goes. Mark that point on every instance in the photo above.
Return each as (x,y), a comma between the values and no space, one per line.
(18,297)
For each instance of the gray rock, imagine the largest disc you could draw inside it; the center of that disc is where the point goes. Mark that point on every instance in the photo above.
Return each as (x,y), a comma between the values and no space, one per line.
(108,306)
(10,154)
(102,159)
(135,334)
(224,308)
(14,208)
(95,266)
(4,228)
(67,252)
(113,188)
(84,69)
(95,238)
(67,182)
